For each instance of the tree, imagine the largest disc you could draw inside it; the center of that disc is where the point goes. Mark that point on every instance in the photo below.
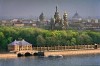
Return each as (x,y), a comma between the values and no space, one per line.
(41,37)
(73,41)
(84,38)
(40,41)
(68,43)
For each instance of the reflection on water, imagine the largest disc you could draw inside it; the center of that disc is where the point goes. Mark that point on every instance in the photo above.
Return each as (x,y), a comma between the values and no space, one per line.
(93,60)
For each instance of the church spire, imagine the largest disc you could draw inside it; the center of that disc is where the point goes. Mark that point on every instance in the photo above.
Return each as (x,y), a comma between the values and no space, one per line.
(41,17)
(56,9)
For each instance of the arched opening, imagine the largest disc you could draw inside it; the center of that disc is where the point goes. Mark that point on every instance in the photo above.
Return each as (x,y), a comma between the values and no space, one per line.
(95,46)
(19,55)
(35,54)
(27,54)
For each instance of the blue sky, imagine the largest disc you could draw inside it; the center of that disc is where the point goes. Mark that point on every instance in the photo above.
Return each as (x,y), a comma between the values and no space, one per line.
(32,8)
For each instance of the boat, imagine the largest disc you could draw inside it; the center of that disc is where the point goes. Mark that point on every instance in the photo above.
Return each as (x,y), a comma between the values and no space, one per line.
(50,56)
(59,56)
(55,56)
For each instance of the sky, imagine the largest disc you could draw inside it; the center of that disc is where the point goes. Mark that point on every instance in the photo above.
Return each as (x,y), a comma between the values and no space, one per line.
(33,8)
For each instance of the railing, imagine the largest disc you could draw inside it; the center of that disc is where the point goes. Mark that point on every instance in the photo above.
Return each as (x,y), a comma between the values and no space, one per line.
(75,47)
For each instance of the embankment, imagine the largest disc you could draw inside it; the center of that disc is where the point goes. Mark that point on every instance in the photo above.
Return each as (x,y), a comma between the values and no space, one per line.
(72,52)
(8,55)
(64,53)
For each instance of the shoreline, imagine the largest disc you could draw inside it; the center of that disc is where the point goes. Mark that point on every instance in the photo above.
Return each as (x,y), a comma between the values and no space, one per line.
(7,55)
(73,52)
(63,53)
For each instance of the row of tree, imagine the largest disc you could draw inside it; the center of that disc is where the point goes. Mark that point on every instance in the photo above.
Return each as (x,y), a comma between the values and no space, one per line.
(41,37)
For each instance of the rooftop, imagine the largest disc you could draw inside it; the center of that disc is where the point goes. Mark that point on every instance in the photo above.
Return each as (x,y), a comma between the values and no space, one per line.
(76,15)
(22,42)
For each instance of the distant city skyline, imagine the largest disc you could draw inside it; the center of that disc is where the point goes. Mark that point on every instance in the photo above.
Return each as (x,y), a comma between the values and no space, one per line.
(33,8)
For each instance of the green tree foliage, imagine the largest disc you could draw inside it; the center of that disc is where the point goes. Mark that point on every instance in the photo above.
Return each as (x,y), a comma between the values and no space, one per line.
(40,41)
(41,37)
(73,41)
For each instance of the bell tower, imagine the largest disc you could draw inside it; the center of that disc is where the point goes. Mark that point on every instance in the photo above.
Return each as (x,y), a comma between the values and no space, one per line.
(56,16)
(65,20)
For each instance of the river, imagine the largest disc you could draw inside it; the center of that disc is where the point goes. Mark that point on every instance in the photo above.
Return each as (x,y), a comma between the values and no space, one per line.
(93,60)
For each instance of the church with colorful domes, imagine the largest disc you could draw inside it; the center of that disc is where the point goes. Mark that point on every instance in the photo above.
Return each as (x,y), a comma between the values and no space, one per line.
(58,23)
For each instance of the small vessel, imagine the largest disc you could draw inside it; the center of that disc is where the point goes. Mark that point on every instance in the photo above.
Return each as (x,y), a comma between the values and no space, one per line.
(59,56)
(51,56)
(55,56)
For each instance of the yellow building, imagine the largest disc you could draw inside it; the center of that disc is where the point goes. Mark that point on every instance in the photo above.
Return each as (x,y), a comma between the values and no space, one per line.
(18,24)
(19,46)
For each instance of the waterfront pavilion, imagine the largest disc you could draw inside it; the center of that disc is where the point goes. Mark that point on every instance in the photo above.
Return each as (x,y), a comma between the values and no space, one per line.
(19,46)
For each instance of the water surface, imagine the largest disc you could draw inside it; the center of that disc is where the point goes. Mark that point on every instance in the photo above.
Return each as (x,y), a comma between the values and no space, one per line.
(93,60)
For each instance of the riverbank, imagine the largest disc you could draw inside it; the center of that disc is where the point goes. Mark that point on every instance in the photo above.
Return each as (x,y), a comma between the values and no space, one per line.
(73,52)
(63,53)
(8,55)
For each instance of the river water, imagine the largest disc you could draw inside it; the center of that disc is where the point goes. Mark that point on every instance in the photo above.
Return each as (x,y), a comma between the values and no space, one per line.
(93,60)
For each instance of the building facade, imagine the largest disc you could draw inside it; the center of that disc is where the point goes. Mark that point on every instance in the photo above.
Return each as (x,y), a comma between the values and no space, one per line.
(19,46)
